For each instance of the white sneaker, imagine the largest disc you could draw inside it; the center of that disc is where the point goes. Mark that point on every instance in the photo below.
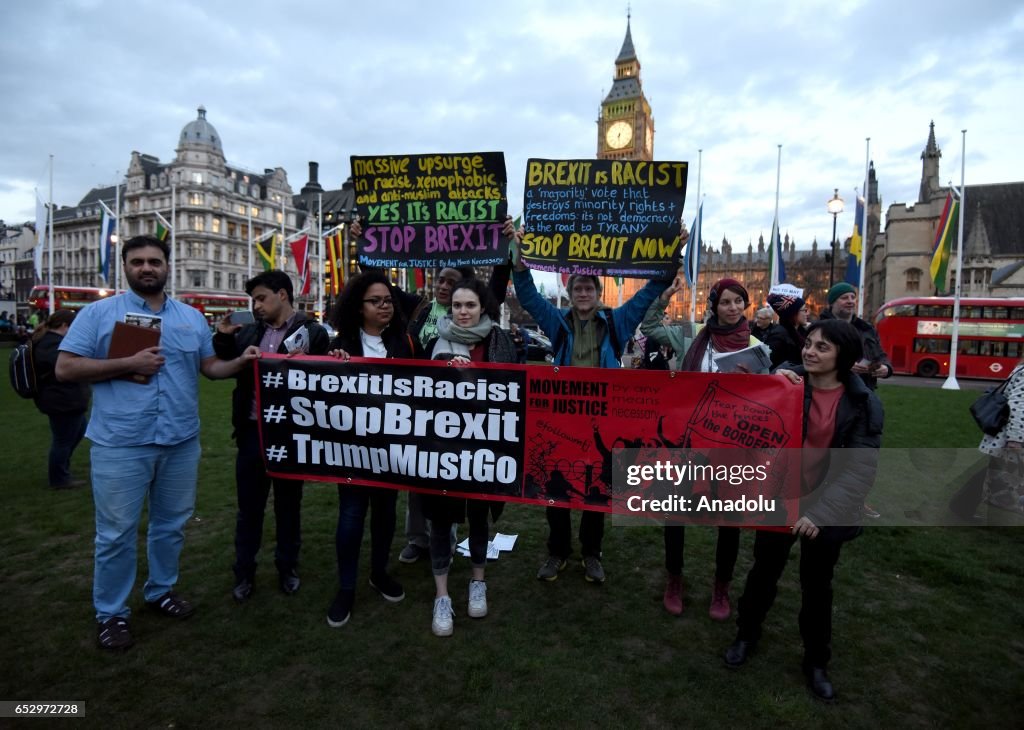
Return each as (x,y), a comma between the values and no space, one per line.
(444,617)
(477,599)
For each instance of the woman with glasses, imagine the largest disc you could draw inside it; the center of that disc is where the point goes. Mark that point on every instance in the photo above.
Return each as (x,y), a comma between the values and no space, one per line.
(368,325)
(469,334)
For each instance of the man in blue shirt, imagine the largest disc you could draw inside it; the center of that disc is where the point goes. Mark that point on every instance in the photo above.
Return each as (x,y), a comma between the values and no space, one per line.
(145,435)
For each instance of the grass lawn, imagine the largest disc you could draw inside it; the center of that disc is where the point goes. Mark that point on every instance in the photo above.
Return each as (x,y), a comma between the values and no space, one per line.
(927,628)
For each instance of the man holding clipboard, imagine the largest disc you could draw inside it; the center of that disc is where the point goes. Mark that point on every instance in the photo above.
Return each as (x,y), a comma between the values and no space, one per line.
(145,432)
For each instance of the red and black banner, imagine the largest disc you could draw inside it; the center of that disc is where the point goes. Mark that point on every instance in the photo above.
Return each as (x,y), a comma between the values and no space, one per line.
(584,438)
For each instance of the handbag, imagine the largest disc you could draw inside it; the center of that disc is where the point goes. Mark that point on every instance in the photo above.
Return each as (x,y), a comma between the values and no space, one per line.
(992,410)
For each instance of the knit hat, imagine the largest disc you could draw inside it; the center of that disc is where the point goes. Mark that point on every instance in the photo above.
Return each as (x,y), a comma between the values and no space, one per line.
(838,290)
(785,306)
(723,284)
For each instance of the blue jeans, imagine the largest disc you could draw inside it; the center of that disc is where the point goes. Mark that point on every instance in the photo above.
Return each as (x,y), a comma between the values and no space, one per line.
(66,432)
(353,503)
(122,479)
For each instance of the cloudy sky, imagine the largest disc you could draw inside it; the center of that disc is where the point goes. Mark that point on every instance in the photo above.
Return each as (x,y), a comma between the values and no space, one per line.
(90,80)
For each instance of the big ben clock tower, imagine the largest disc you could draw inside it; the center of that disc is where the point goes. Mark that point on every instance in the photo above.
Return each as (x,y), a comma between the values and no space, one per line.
(625,130)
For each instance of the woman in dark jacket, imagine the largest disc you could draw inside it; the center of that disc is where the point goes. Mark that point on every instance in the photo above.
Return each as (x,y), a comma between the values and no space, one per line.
(786,340)
(64,403)
(469,334)
(842,434)
(368,325)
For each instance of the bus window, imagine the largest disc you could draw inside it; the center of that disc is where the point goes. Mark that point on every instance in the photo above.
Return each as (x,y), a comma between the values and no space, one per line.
(996,312)
(968,347)
(972,312)
(985,347)
(934,310)
(1017,313)
(931,345)
(1013,349)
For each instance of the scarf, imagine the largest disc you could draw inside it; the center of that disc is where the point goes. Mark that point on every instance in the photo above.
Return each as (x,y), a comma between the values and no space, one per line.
(455,340)
(723,338)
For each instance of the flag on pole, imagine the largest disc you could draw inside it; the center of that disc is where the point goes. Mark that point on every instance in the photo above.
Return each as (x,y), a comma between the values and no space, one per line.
(856,255)
(692,261)
(300,251)
(161,231)
(415,279)
(334,243)
(41,222)
(108,224)
(776,266)
(267,256)
(944,235)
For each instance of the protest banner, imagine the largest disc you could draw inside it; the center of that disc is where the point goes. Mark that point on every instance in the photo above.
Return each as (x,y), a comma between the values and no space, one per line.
(550,436)
(604,217)
(422,211)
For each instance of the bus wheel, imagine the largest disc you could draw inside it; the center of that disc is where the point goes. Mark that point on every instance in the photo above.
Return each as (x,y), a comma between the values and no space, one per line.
(927,368)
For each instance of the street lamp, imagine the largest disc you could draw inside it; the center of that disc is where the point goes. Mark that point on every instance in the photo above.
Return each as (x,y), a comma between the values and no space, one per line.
(835,207)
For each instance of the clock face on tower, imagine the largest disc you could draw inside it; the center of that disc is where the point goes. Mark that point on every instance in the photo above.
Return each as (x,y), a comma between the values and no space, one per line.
(619,135)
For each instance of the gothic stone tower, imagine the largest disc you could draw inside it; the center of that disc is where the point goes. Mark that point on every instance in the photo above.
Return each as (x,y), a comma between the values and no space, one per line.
(625,128)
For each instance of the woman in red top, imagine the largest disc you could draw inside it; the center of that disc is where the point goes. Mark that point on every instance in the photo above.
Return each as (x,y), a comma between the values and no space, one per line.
(469,334)
(842,434)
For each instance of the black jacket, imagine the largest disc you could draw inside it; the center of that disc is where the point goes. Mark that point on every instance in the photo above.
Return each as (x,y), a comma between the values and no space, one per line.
(228,347)
(784,346)
(397,343)
(416,308)
(872,346)
(55,396)
(837,502)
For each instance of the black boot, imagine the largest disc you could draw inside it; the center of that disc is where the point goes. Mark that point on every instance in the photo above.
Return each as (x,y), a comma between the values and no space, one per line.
(820,684)
(737,653)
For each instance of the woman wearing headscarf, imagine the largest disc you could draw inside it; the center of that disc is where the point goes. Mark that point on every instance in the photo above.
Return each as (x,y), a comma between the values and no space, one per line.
(725,329)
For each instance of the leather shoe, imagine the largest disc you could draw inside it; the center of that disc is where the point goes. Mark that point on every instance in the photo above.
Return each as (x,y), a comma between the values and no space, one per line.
(289,582)
(242,590)
(819,684)
(738,652)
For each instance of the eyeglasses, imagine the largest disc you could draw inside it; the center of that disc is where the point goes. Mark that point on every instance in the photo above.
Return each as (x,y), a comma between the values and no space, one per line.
(380,302)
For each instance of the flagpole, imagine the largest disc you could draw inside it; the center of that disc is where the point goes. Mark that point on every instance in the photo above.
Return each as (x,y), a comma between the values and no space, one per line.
(696,242)
(320,255)
(951,383)
(864,230)
(117,232)
(773,272)
(49,211)
(248,215)
(174,246)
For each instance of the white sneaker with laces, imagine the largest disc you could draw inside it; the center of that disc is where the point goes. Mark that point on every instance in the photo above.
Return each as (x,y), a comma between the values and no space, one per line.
(477,599)
(444,617)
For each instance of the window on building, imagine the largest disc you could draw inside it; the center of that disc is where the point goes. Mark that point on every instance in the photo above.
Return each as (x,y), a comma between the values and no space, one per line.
(279,217)
(913,280)
(232,254)
(197,222)
(195,198)
(197,249)
(197,177)
(217,251)
(233,282)
(255,212)
(216,280)
(196,278)
(215,225)
(232,230)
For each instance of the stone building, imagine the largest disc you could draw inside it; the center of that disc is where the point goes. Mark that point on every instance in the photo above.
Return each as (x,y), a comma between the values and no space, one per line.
(16,245)
(993,248)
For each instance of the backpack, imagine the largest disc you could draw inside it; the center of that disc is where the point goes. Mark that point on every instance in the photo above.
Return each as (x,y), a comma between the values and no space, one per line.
(22,371)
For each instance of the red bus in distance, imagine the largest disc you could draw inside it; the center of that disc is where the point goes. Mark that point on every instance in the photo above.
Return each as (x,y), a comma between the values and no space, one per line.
(917,333)
(213,306)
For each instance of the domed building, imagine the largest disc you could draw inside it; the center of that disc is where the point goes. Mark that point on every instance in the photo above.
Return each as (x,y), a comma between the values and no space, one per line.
(210,205)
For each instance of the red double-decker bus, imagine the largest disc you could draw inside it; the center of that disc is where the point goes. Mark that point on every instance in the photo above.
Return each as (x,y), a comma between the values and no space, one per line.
(213,306)
(65,297)
(917,333)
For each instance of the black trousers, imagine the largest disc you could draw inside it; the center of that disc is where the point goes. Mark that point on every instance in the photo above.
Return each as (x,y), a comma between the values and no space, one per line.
(818,558)
(253,487)
(727,549)
(560,532)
